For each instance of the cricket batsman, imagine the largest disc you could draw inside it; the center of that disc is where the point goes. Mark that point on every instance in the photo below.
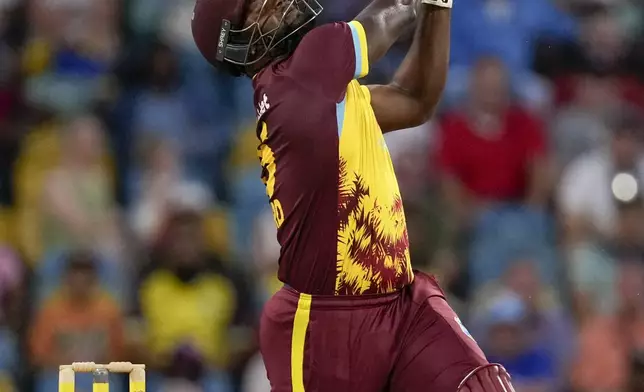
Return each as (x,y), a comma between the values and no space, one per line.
(352,315)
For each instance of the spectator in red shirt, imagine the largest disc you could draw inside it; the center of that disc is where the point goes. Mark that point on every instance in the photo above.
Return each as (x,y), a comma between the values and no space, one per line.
(492,151)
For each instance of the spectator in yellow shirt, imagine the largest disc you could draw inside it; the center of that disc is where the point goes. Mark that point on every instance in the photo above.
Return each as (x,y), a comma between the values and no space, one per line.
(188,304)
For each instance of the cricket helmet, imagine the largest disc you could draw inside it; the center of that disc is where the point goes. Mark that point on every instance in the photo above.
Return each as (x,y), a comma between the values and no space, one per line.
(228,40)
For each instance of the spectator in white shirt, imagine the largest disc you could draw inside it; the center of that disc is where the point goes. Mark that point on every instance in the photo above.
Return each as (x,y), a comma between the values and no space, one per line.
(594,184)
(598,194)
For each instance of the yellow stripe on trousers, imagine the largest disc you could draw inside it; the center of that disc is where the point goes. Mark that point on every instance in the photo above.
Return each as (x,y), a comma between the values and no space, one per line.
(298,340)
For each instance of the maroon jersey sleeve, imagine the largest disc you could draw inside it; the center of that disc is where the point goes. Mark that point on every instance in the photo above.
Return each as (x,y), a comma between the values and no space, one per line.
(331,56)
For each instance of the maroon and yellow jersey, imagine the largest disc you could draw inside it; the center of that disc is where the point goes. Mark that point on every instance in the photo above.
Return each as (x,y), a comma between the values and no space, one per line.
(327,170)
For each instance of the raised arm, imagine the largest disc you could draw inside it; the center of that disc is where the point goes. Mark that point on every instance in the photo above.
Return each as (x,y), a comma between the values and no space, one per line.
(384,22)
(410,99)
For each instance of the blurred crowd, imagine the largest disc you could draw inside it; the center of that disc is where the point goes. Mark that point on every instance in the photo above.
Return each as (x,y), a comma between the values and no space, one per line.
(134,224)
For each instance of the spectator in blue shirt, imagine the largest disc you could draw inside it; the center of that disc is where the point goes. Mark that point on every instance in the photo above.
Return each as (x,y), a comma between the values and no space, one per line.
(507,29)
(507,341)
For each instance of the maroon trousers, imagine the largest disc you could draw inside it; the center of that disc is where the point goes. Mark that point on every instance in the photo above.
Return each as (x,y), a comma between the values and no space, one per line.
(408,341)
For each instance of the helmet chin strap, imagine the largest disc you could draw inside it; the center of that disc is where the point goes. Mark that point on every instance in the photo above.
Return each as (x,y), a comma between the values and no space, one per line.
(236,53)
